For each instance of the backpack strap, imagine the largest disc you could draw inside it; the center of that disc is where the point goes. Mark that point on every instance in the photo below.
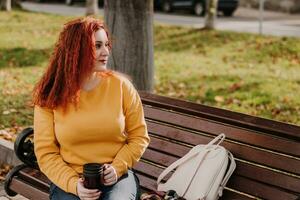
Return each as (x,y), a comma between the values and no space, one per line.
(195,151)
(216,141)
(228,174)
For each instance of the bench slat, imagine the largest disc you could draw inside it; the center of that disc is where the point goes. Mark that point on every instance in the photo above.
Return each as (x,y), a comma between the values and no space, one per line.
(222,115)
(158,158)
(168,147)
(259,189)
(268,176)
(239,151)
(146,182)
(282,145)
(229,195)
(27,190)
(150,170)
(32,175)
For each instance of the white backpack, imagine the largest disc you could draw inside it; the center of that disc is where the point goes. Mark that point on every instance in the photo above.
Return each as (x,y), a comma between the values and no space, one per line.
(202,173)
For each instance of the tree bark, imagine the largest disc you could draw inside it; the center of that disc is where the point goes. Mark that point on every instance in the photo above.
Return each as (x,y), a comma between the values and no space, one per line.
(5,5)
(16,4)
(211,14)
(130,23)
(91,7)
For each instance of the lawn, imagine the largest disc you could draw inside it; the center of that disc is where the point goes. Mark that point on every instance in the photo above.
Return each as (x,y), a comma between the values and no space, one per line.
(257,75)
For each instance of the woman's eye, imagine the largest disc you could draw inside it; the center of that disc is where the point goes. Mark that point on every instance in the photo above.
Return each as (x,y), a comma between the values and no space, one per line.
(98,46)
(107,44)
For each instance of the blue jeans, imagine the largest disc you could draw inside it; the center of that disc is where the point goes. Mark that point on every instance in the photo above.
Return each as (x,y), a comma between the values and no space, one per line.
(127,188)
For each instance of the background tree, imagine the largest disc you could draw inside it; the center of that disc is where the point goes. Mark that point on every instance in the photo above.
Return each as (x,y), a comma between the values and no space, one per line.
(210,14)
(91,7)
(131,25)
(5,5)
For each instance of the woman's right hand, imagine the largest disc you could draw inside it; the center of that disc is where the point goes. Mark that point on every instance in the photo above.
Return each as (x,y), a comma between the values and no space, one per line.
(87,194)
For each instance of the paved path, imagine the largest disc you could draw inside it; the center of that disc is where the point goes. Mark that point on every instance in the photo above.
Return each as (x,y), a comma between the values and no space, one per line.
(244,19)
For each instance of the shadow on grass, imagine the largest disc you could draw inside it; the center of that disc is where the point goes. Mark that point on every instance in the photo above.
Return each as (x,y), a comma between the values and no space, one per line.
(177,38)
(246,46)
(22,57)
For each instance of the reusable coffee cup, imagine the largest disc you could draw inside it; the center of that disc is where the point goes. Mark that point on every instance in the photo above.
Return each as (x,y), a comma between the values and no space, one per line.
(93,175)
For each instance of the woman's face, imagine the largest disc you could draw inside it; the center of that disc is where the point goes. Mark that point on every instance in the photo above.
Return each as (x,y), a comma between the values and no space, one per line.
(102,50)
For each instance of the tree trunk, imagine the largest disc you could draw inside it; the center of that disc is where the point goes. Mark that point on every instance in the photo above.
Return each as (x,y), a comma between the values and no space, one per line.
(91,7)
(211,13)
(5,5)
(130,23)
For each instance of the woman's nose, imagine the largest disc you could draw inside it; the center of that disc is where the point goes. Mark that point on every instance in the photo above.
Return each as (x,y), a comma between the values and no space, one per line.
(105,51)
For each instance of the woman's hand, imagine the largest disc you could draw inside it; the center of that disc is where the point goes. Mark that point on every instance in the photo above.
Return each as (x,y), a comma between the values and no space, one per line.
(87,194)
(109,175)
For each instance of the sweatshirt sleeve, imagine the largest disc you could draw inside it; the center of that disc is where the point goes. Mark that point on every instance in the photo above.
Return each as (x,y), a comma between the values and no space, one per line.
(136,130)
(47,150)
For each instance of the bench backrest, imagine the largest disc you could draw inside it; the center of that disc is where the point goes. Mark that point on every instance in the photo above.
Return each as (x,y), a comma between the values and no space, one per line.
(267,152)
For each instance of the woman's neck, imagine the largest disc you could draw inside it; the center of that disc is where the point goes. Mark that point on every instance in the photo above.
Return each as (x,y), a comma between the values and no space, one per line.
(91,82)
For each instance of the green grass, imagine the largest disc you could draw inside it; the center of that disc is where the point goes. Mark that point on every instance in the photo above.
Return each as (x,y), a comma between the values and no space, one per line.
(26,42)
(257,75)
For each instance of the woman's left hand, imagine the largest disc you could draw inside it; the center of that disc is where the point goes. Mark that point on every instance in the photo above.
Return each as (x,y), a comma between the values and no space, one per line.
(109,175)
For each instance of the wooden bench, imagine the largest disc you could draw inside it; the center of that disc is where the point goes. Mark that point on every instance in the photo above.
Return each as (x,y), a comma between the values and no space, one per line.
(267,152)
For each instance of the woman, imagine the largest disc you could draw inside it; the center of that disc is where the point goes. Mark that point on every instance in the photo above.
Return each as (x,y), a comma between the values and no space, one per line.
(85,113)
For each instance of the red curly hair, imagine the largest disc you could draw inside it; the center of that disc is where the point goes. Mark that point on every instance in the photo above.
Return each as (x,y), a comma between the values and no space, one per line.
(70,64)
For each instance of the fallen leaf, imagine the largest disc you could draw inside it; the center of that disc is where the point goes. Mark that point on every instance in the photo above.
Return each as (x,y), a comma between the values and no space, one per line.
(250,65)
(5,135)
(285,99)
(13,110)
(7,167)
(235,86)
(295,61)
(228,101)
(4,169)
(181,85)
(6,112)
(219,99)
(236,101)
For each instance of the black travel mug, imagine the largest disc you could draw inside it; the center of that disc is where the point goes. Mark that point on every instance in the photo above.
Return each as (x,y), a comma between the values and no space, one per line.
(93,175)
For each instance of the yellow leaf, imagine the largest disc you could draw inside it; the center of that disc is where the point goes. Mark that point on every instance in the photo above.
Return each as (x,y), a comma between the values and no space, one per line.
(5,135)
(6,112)
(219,98)
(13,110)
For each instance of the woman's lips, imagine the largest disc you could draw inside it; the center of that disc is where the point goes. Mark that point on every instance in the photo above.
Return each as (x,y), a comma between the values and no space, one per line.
(103,60)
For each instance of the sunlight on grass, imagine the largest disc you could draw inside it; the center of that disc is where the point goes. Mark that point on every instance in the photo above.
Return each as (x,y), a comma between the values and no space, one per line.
(240,72)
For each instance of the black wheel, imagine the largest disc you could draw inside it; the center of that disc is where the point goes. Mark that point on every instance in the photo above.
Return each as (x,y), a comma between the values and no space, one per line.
(24,148)
(9,177)
(166,6)
(228,13)
(199,9)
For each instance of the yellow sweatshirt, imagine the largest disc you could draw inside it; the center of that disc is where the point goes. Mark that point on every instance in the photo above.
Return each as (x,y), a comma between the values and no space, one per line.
(107,127)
